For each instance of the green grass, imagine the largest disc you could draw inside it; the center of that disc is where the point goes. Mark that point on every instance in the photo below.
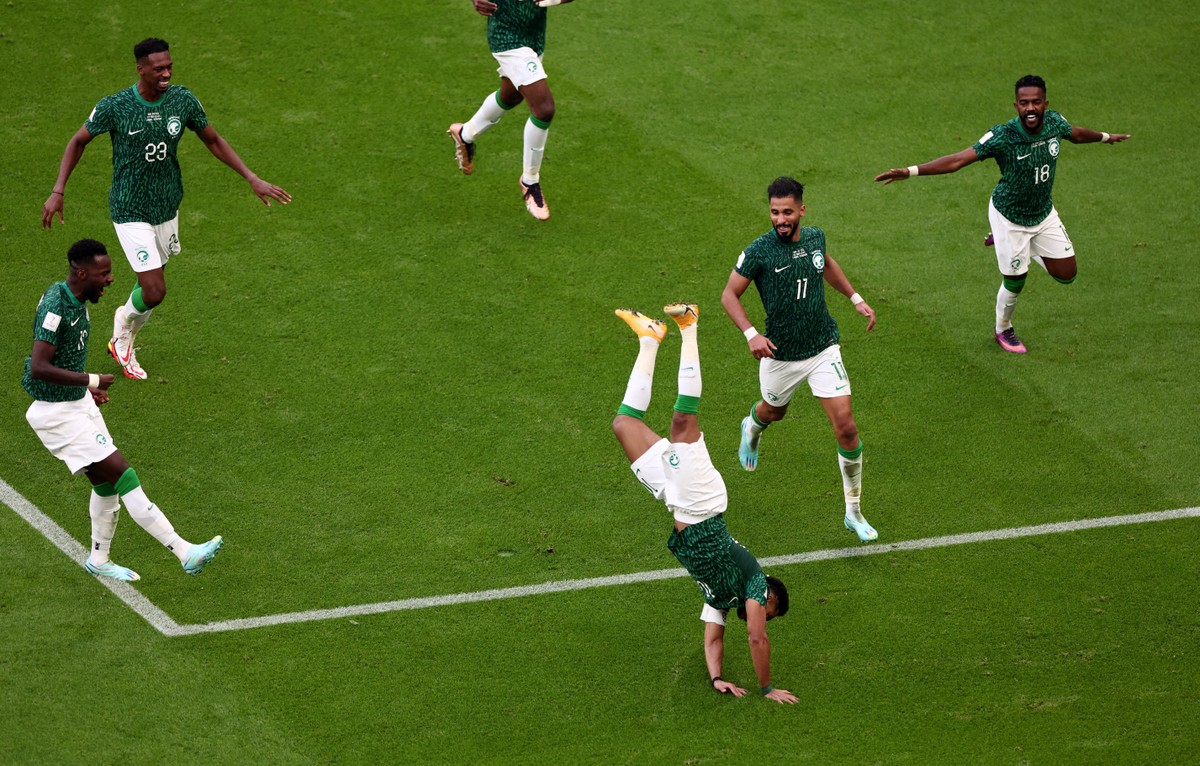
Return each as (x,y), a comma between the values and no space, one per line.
(386,388)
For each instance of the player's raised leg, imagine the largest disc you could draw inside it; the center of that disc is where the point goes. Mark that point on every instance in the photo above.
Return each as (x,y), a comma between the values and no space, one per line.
(685,425)
(486,117)
(629,426)
(537,130)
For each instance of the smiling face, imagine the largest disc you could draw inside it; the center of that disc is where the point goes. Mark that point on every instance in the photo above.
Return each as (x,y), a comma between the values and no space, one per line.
(154,73)
(1031,108)
(93,277)
(786,213)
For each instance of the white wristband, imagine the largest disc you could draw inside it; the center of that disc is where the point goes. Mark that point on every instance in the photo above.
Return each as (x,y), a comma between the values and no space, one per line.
(93,380)
(750,333)
(856,299)
(913,172)
(1104,137)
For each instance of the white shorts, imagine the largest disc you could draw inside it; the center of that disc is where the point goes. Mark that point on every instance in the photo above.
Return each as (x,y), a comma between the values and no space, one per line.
(683,476)
(74,432)
(521,66)
(826,376)
(149,246)
(1016,245)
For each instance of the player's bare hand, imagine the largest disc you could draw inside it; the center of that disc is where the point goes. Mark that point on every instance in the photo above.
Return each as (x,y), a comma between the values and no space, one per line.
(865,309)
(485,7)
(54,204)
(98,396)
(895,174)
(1116,138)
(782,696)
(106,380)
(762,347)
(268,191)
(548,3)
(725,687)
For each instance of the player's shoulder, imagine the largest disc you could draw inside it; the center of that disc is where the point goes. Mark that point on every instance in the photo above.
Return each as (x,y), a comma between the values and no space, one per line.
(1054,119)
(762,242)
(812,232)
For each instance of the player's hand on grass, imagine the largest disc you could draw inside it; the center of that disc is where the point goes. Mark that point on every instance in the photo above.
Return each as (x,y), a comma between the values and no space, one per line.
(762,347)
(54,204)
(782,696)
(485,7)
(268,191)
(895,174)
(725,687)
(865,309)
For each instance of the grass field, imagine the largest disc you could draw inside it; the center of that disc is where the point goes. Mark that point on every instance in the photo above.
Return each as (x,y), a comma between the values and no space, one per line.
(401,385)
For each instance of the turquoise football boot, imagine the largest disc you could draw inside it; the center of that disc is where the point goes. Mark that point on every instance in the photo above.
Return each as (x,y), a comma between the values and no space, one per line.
(201,554)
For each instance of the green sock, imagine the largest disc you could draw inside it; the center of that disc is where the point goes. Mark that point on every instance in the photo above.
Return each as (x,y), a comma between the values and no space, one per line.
(625,409)
(688,405)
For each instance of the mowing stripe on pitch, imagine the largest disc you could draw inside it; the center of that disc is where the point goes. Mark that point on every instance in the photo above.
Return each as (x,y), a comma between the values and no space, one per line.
(165,625)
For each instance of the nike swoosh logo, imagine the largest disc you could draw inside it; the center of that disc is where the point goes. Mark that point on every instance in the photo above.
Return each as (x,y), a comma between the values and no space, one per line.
(75,322)
(1027,156)
(839,388)
(135,132)
(785,267)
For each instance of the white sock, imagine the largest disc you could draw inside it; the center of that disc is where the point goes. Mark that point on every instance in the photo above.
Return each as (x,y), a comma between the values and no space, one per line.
(481,122)
(755,428)
(104,512)
(1006,303)
(151,519)
(637,392)
(535,147)
(851,482)
(134,317)
(689,363)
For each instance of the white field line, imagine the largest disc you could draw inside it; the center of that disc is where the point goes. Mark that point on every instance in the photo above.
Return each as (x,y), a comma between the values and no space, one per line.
(168,627)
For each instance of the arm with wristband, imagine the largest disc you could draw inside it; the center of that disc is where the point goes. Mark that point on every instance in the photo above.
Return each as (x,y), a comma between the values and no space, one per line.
(714,654)
(731,300)
(942,165)
(1081,135)
(836,278)
(760,653)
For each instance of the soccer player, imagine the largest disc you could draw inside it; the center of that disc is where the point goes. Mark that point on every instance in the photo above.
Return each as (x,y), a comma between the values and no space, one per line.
(516,31)
(145,123)
(65,416)
(790,266)
(679,472)
(1025,224)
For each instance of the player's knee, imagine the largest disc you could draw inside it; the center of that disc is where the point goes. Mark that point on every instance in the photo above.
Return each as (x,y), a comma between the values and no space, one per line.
(544,109)
(769,413)
(153,295)
(846,433)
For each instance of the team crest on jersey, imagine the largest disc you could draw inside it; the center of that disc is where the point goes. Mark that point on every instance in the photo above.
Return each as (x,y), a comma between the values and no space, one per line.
(101,439)
(142,256)
(174,125)
(531,66)
(674,459)
(1054,147)
(819,260)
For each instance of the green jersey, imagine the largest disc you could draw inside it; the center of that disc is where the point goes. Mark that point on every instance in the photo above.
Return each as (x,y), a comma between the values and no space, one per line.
(727,573)
(790,277)
(1027,166)
(517,24)
(147,186)
(63,322)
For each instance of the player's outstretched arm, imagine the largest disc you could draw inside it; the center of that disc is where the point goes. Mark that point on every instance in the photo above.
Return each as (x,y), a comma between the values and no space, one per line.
(760,652)
(940,166)
(838,280)
(731,300)
(714,656)
(221,149)
(54,203)
(1080,135)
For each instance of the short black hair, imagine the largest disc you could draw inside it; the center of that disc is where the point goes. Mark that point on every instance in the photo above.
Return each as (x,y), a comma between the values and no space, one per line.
(1030,81)
(786,186)
(781,595)
(148,46)
(83,251)
(776,586)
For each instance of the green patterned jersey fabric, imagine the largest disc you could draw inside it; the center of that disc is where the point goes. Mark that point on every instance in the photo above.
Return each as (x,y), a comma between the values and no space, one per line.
(63,322)
(790,277)
(517,24)
(1027,165)
(147,186)
(726,572)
